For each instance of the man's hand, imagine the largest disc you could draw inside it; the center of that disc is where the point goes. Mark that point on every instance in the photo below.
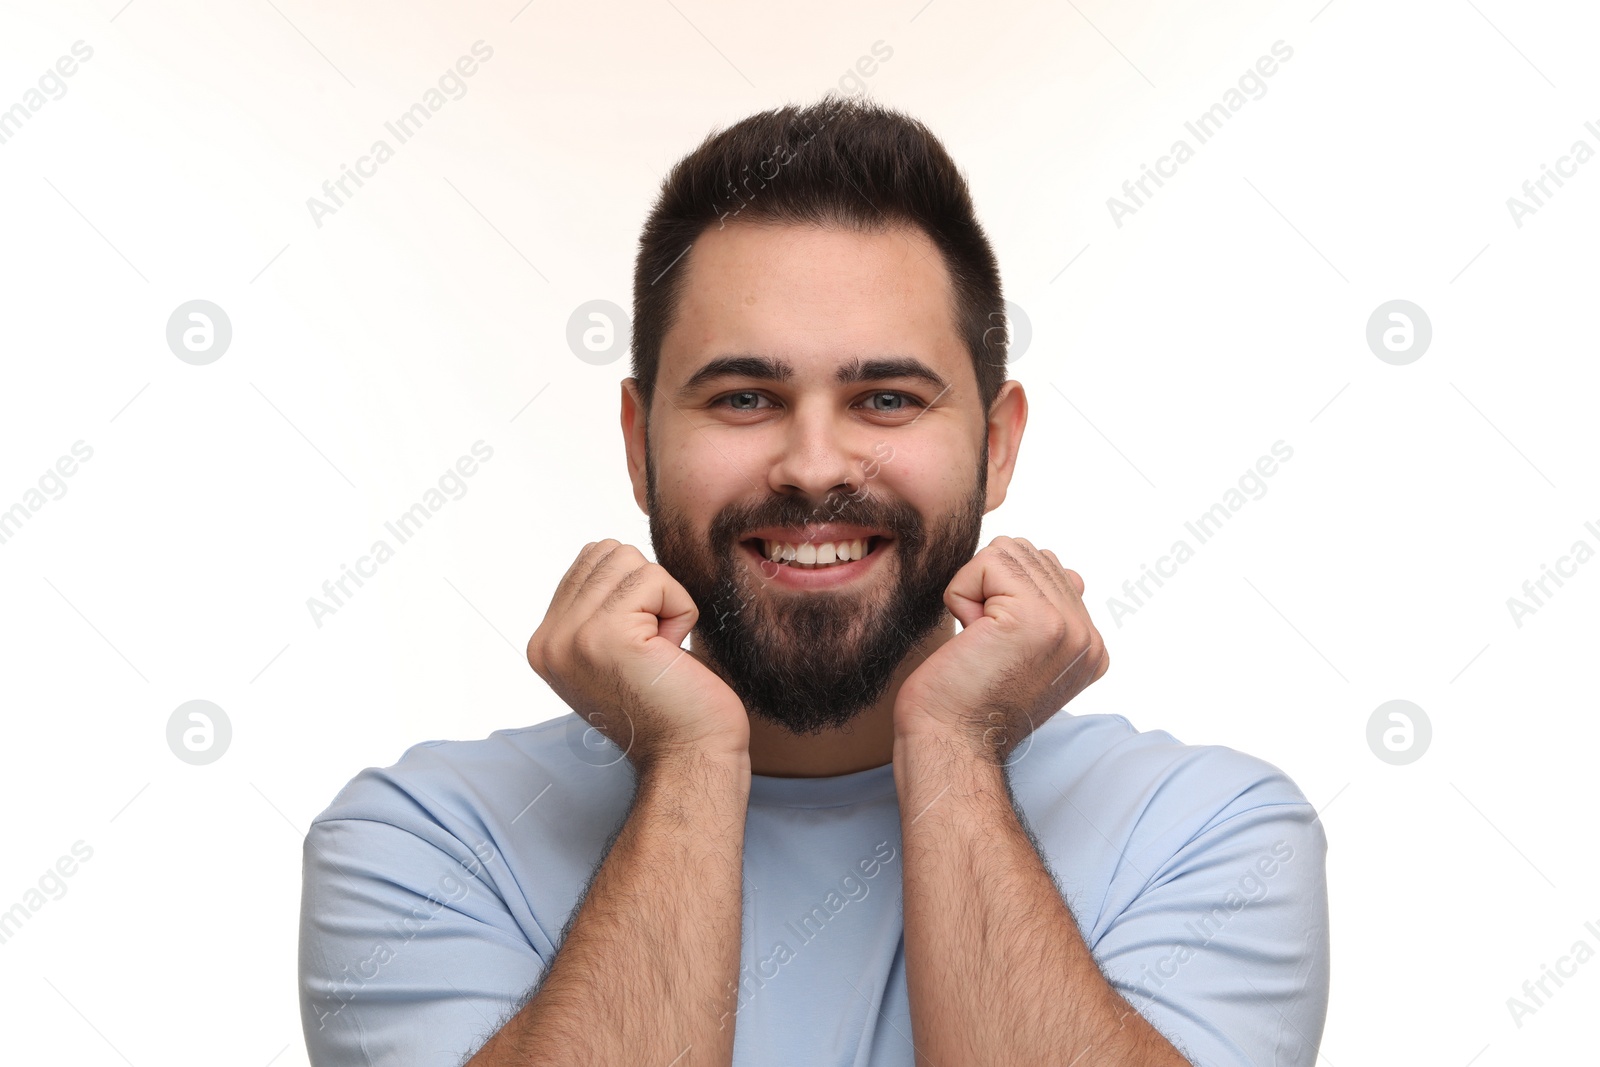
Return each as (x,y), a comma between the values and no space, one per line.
(610,647)
(1027,646)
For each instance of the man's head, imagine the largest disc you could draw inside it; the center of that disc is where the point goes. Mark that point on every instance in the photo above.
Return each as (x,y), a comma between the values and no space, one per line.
(818,359)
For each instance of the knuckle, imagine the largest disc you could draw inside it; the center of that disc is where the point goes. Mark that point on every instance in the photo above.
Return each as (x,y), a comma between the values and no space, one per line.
(627,583)
(587,641)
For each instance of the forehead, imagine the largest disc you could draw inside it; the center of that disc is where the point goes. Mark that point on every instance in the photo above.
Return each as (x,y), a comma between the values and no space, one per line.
(814,296)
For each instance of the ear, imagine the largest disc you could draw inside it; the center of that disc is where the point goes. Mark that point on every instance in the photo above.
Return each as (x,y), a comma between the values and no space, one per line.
(1008,416)
(634,414)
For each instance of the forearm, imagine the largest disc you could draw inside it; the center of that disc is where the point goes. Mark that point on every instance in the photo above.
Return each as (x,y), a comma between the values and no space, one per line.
(996,969)
(646,972)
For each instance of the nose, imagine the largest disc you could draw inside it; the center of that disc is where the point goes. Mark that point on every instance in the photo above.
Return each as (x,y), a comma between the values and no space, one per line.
(819,455)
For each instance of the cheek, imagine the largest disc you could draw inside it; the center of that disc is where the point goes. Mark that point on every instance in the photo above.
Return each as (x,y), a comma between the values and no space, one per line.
(698,482)
(691,469)
(928,479)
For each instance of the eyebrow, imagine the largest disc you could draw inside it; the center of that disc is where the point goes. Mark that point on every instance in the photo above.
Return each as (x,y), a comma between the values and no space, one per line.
(764,368)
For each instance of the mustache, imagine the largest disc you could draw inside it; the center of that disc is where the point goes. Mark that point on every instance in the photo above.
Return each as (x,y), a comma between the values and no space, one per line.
(859,509)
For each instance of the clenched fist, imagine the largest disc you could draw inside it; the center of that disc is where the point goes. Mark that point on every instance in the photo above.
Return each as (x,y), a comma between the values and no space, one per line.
(609,646)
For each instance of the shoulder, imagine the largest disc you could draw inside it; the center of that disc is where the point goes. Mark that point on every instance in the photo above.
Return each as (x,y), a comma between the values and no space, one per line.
(1156,802)
(1197,874)
(1149,766)
(484,785)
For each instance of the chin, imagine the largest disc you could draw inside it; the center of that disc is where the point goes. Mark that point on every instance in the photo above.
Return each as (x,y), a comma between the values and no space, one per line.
(810,725)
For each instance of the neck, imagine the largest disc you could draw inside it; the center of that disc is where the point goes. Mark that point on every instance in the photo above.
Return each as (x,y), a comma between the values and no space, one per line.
(865,742)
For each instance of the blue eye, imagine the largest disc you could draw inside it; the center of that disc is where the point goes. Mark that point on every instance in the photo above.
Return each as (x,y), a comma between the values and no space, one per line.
(737,407)
(901,396)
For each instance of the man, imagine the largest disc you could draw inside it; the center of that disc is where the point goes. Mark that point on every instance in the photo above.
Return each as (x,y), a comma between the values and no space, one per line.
(834,830)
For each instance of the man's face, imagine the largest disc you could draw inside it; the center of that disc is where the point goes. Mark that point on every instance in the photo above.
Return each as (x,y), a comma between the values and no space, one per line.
(742,464)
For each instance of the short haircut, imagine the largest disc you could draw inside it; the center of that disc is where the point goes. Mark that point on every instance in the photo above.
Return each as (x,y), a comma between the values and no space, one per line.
(841,162)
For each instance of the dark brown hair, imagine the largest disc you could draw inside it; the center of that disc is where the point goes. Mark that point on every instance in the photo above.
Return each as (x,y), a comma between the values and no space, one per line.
(844,162)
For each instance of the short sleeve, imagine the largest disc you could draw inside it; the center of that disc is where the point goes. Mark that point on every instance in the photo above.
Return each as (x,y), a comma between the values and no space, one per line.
(1225,951)
(408,953)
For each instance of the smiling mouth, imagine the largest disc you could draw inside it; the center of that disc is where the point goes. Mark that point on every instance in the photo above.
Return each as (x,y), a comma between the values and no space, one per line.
(810,556)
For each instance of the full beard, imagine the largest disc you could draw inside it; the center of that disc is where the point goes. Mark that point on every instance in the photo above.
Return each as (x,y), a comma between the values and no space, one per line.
(812,660)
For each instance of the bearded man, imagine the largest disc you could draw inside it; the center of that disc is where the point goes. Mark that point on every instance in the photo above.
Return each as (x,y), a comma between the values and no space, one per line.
(850,824)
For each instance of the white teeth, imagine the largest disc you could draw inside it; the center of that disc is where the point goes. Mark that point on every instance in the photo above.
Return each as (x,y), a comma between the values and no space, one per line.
(815,555)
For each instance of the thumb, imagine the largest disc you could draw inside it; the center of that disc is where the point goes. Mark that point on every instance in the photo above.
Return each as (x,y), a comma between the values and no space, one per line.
(964,595)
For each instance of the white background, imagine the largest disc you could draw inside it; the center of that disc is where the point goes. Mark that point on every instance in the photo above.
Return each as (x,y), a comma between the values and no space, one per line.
(430,311)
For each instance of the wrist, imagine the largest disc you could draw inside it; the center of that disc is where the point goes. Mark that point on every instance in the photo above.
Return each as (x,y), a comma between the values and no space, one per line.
(696,761)
(920,732)
(935,743)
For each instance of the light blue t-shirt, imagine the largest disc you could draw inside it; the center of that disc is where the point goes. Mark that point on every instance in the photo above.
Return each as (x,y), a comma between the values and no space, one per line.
(436,890)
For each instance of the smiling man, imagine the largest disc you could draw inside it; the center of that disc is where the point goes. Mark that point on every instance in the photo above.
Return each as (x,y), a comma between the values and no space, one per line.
(850,823)
(827,472)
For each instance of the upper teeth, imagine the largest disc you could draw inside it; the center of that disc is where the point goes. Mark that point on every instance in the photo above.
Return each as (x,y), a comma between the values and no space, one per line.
(827,552)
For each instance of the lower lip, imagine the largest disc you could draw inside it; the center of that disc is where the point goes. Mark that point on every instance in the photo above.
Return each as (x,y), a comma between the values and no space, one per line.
(813,577)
